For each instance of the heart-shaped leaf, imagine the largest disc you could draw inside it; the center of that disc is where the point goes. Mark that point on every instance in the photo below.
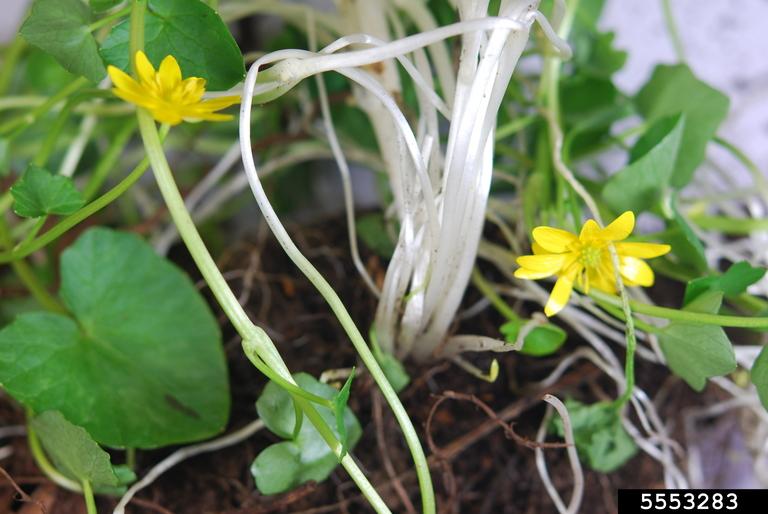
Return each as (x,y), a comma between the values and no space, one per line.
(759,376)
(190,31)
(733,282)
(541,341)
(38,193)
(141,364)
(60,27)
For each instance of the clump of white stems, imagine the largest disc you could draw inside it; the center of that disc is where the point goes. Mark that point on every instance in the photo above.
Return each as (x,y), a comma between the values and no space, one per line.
(440,194)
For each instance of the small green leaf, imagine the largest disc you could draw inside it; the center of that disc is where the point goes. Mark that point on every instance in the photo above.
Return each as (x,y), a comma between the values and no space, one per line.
(759,376)
(73,451)
(316,459)
(695,351)
(639,185)
(373,231)
(599,435)
(340,400)
(60,27)
(541,341)
(277,468)
(140,366)
(190,31)
(686,246)
(38,193)
(394,370)
(674,90)
(732,283)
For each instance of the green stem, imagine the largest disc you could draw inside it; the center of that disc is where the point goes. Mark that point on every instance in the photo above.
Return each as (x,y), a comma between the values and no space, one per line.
(19,123)
(729,225)
(682,315)
(109,159)
(130,458)
(27,275)
(12,54)
(514,126)
(497,301)
(45,465)
(674,34)
(73,219)
(229,302)
(109,19)
(90,501)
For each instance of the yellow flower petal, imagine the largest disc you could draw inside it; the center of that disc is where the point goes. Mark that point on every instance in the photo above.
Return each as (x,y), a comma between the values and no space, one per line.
(620,228)
(532,275)
(122,80)
(560,295)
(221,102)
(169,74)
(636,272)
(642,250)
(549,263)
(590,231)
(553,240)
(144,68)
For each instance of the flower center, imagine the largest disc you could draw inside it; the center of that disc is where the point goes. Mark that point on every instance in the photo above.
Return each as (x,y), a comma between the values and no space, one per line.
(591,256)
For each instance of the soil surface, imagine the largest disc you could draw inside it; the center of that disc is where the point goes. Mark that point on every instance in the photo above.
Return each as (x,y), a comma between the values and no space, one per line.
(478,439)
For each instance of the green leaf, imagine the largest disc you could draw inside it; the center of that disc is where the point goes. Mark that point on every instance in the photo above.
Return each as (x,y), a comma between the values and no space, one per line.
(277,468)
(759,376)
(38,193)
(373,232)
(674,90)
(599,435)
(73,451)
(141,364)
(732,283)
(340,400)
(541,341)
(190,31)
(316,459)
(686,246)
(60,27)
(639,185)
(696,351)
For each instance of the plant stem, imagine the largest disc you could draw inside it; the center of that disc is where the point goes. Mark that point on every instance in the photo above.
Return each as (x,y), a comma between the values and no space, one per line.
(18,123)
(109,159)
(109,19)
(497,301)
(12,54)
(27,275)
(730,225)
(90,501)
(683,315)
(674,34)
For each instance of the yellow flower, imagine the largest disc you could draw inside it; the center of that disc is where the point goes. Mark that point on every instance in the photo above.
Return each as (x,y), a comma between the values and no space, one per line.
(585,260)
(169,98)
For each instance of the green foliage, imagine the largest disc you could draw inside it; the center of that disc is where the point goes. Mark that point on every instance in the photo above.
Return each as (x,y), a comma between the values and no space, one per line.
(759,376)
(674,90)
(373,231)
(39,193)
(73,451)
(732,283)
(599,435)
(304,457)
(103,5)
(695,351)
(541,341)
(687,248)
(190,31)
(60,27)
(639,186)
(141,363)
(340,400)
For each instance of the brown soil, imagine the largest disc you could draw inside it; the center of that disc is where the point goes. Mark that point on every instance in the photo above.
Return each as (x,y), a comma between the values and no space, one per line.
(478,465)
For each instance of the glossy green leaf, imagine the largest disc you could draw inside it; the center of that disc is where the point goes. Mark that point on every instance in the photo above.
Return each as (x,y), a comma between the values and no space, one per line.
(695,351)
(639,185)
(73,451)
(39,193)
(103,5)
(675,90)
(316,460)
(759,376)
(733,282)
(277,468)
(599,435)
(141,363)
(190,31)
(60,27)
(394,370)
(541,341)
